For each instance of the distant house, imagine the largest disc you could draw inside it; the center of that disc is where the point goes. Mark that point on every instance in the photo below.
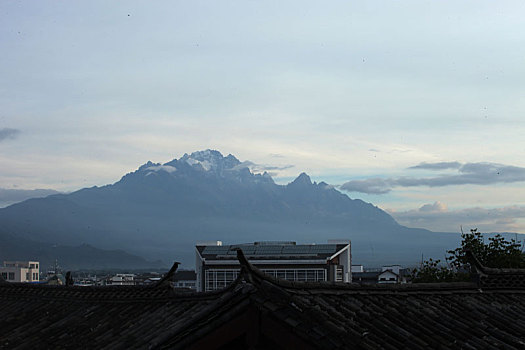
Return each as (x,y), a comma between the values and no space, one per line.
(217,265)
(122,279)
(258,311)
(387,275)
(185,279)
(20,271)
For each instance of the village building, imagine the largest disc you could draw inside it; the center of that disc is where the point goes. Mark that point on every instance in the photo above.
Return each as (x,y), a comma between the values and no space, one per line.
(185,279)
(122,279)
(390,274)
(217,265)
(20,271)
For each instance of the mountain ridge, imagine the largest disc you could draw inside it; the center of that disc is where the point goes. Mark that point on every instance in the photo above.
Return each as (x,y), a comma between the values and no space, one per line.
(161,210)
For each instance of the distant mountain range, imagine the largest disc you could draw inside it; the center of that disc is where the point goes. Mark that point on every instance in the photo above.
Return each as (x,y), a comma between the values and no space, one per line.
(161,210)
(10,196)
(83,256)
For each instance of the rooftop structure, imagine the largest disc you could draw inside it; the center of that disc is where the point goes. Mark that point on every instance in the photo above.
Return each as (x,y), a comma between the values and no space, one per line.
(258,311)
(217,265)
(386,274)
(20,271)
(185,279)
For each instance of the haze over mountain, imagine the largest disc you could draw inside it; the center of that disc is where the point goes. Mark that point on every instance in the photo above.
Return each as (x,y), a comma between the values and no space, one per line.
(10,196)
(161,210)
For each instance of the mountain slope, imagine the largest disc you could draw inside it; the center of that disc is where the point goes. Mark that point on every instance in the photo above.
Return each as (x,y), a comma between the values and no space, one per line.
(78,257)
(161,210)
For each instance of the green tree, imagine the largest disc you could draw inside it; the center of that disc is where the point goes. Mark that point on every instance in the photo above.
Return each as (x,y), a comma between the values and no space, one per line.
(498,253)
(431,271)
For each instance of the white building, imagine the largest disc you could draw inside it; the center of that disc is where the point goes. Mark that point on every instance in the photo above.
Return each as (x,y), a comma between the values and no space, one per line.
(217,265)
(391,274)
(122,279)
(20,271)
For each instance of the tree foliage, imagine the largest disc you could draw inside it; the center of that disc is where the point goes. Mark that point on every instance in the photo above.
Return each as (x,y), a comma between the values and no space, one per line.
(431,271)
(498,253)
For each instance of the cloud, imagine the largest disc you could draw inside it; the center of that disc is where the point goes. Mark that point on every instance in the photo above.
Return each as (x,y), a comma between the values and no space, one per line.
(370,186)
(270,168)
(437,166)
(166,168)
(433,208)
(8,133)
(468,174)
(438,217)
(259,168)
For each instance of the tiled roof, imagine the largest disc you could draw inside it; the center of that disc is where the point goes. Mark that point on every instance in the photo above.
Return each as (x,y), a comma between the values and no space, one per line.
(316,315)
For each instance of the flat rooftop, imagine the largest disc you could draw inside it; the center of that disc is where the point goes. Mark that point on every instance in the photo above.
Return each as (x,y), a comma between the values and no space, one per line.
(270,250)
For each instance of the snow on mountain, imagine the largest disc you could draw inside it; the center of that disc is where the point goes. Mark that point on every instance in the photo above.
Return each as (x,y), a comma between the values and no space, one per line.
(207,163)
(160,210)
(155,168)
(211,160)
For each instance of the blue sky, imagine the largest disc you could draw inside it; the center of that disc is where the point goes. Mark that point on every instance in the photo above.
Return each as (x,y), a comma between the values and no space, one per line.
(349,92)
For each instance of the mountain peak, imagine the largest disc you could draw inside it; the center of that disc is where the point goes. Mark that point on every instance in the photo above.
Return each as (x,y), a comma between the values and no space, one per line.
(301,180)
(210,160)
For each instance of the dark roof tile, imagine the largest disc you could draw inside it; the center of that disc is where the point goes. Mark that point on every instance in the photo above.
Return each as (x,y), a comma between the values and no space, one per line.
(324,315)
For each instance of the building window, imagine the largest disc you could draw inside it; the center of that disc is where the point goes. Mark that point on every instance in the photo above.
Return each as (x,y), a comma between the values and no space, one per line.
(27,276)
(35,276)
(4,275)
(339,274)
(308,275)
(11,276)
(218,278)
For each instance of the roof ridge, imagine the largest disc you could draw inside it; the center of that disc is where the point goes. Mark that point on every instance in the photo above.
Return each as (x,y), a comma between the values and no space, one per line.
(476,263)
(253,275)
(168,277)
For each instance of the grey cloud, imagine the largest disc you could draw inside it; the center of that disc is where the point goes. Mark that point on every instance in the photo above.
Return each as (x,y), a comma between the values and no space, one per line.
(468,174)
(437,166)
(270,168)
(261,167)
(437,217)
(8,133)
(370,186)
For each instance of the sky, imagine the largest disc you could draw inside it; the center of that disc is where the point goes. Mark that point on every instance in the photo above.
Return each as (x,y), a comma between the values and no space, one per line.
(414,106)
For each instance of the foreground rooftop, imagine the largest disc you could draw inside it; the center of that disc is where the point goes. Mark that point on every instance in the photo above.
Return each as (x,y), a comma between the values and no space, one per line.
(261,312)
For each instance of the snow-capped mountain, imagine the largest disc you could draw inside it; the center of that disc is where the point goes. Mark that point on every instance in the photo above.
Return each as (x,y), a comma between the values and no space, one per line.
(161,210)
(208,163)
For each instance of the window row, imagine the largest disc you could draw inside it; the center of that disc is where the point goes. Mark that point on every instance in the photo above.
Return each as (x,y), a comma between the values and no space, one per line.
(220,278)
(8,276)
